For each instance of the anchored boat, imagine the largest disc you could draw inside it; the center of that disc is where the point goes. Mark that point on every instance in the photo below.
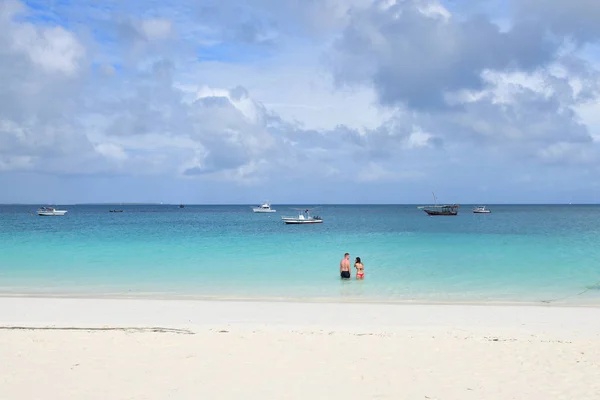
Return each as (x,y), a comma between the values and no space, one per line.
(50,212)
(437,210)
(264,208)
(303,218)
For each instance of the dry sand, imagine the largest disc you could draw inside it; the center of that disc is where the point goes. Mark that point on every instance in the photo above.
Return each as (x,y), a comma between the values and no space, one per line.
(167,349)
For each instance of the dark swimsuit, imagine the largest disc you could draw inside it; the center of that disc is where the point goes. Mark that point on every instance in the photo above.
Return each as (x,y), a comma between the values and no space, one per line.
(345,274)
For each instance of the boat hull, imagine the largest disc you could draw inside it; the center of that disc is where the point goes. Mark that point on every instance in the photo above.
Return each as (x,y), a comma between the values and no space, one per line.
(482,212)
(302,222)
(434,213)
(259,210)
(51,213)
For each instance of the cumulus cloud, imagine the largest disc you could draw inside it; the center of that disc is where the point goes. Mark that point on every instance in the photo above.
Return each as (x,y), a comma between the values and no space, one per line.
(214,133)
(267,22)
(132,96)
(52,49)
(156,28)
(511,92)
(414,55)
(41,69)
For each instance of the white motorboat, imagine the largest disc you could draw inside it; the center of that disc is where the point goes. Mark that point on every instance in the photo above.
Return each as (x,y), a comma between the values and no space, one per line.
(481,210)
(50,212)
(303,217)
(264,208)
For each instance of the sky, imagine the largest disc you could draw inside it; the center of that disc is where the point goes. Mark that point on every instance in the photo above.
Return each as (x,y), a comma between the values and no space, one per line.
(299,101)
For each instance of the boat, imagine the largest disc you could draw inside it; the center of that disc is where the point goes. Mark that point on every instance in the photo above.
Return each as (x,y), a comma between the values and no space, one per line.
(446,209)
(116,211)
(440,210)
(50,212)
(181,206)
(303,218)
(481,210)
(264,208)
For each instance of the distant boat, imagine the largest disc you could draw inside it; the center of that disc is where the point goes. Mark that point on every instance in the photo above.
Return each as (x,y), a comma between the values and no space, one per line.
(264,208)
(181,206)
(303,218)
(116,211)
(481,210)
(50,212)
(440,210)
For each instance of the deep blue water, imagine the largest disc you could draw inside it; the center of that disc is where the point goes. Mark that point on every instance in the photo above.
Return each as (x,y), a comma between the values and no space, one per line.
(523,253)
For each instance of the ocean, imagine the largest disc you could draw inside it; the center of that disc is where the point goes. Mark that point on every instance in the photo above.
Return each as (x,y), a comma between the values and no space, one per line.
(547,254)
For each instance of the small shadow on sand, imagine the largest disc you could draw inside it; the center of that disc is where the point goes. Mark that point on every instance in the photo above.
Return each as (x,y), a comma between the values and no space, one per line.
(72,328)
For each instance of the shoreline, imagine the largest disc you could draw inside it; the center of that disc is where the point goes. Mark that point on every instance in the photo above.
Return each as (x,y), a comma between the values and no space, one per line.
(560,302)
(179,312)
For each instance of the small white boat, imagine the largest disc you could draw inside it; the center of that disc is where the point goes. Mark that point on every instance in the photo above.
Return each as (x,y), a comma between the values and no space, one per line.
(50,212)
(303,218)
(264,208)
(481,210)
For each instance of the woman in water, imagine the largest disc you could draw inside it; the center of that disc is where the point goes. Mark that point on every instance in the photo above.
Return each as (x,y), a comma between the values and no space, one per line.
(360,268)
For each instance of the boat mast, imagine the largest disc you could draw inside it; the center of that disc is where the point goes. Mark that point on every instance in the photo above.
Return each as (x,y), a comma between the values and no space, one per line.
(434,199)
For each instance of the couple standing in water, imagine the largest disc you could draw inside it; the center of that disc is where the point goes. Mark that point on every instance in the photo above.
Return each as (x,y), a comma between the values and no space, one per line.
(345,267)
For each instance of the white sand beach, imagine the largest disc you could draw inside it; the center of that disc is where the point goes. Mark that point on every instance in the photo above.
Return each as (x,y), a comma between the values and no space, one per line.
(159,349)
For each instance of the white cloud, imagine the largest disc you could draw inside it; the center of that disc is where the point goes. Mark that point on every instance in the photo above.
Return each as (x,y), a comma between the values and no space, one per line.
(297,87)
(362,91)
(239,98)
(590,115)
(156,28)
(111,150)
(418,138)
(54,49)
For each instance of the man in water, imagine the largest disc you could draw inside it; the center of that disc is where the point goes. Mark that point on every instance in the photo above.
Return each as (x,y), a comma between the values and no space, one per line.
(345,267)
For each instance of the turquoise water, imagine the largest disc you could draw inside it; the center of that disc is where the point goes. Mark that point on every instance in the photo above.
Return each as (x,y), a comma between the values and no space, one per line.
(516,254)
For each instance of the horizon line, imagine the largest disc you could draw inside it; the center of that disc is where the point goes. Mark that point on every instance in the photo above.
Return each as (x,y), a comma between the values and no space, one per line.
(280,204)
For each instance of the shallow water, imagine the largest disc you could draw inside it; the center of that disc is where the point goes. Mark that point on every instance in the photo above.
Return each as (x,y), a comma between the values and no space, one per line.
(516,254)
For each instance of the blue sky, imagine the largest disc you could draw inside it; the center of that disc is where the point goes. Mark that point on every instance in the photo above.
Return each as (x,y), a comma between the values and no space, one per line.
(331,101)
